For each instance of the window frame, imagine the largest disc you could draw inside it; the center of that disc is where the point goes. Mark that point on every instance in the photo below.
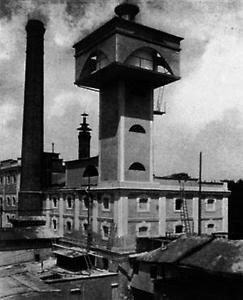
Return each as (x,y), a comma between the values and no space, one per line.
(52,200)
(71,222)
(106,224)
(66,199)
(207,205)
(147,209)
(109,202)
(175,200)
(143,224)
(54,219)
(175,226)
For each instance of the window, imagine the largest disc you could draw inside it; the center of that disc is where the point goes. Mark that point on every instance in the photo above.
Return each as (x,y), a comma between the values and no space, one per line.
(69,202)
(143,203)
(54,202)
(1,200)
(1,180)
(210,204)
(85,226)
(8,179)
(8,218)
(178,204)
(9,202)
(137,128)
(85,202)
(54,224)
(137,167)
(105,202)
(210,228)
(13,179)
(13,201)
(69,225)
(106,231)
(178,229)
(142,229)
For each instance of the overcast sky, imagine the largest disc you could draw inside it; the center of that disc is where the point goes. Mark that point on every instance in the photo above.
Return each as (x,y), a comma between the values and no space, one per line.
(204,109)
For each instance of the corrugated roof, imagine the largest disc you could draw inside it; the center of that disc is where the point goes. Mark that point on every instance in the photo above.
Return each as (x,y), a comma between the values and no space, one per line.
(175,250)
(39,232)
(220,255)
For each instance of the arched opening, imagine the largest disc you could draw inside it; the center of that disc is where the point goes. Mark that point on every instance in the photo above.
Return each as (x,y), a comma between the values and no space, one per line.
(96,61)
(136,166)
(149,59)
(137,128)
(90,171)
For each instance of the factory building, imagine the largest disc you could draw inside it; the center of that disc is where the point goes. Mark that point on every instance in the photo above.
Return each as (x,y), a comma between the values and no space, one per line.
(111,199)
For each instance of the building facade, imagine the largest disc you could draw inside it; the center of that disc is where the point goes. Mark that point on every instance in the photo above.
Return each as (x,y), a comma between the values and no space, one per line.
(9,188)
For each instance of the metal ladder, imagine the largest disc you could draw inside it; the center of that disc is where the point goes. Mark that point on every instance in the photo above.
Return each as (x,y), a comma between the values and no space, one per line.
(184,210)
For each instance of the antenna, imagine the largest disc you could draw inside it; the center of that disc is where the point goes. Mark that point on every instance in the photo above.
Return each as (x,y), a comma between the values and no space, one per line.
(52,147)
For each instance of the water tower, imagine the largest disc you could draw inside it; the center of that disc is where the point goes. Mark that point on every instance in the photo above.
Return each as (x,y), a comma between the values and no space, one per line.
(126,61)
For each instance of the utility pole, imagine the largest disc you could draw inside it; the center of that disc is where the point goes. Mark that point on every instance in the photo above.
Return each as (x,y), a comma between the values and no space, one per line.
(200,194)
(89,229)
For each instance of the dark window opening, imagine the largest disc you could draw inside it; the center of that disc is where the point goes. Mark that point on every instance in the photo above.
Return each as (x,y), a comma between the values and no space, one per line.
(106,202)
(85,226)
(54,202)
(69,202)
(137,128)
(69,226)
(135,267)
(178,204)
(106,231)
(179,229)
(153,272)
(210,226)
(54,223)
(86,202)
(137,167)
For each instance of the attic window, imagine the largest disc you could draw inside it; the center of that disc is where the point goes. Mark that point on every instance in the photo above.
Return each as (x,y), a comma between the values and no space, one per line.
(137,128)
(136,166)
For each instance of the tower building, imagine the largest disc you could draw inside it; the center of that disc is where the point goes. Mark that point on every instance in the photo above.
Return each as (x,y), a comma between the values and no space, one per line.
(84,139)
(126,61)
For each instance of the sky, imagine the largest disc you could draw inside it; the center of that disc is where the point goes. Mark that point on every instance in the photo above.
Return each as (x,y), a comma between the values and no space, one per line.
(203,110)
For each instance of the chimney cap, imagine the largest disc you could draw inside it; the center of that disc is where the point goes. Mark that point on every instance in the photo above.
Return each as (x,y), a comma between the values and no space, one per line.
(127,10)
(35,25)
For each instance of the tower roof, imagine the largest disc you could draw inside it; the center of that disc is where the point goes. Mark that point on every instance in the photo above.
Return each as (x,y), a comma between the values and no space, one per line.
(84,126)
(127,11)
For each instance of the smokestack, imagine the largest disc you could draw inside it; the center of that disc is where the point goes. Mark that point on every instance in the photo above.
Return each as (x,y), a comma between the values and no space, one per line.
(84,138)
(32,140)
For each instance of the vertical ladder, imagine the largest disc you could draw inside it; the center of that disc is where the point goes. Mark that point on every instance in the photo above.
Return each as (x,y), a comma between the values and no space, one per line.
(184,210)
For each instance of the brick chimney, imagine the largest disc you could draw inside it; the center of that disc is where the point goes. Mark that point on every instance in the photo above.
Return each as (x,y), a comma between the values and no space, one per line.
(30,197)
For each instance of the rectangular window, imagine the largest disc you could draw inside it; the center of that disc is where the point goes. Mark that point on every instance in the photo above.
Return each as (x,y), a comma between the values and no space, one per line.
(143,204)
(210,204)
(178,204)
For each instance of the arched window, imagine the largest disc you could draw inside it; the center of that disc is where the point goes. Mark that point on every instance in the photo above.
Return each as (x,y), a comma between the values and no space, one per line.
(54,202)
(137,128)
(137,167)
(13,201)
(69,202)
(96,61)
(54,224)
(105,230)
(149,59)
